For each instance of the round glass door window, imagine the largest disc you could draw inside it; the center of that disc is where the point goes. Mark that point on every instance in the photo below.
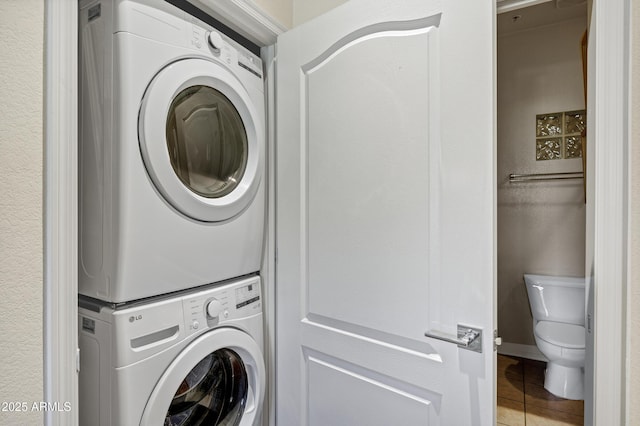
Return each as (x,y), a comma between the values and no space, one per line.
(213,393)
(207,141)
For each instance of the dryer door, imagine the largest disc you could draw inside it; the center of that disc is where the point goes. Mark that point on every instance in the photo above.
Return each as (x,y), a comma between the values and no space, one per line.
(219,379)
(201,140)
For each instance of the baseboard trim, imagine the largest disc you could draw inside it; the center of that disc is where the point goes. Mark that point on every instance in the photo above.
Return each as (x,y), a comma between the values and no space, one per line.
(522,351)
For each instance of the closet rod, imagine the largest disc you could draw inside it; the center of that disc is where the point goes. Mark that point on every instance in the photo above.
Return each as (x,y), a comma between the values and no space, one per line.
(544,176)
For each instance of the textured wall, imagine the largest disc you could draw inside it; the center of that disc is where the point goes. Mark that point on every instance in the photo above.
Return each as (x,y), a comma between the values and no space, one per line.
(21,68)
(304,10)
(633,337)
(280,10)
(541,225)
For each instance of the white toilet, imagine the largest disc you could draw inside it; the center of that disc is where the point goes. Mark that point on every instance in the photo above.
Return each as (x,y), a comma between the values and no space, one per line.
(557,305)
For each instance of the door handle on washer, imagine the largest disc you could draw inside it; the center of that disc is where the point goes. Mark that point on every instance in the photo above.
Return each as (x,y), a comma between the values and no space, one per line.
(469,338)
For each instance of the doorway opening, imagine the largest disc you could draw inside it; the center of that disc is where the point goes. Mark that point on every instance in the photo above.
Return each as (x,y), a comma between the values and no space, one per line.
(541,212)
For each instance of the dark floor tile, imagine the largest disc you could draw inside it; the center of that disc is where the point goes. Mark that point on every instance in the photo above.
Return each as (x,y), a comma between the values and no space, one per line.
(511,389)
(534,371)
(510,413)
(510,367)
(522,398)
(539,416)
(538,396)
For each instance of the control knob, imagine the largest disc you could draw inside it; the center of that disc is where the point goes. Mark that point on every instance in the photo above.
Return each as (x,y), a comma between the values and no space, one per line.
(214,307)
(215,41)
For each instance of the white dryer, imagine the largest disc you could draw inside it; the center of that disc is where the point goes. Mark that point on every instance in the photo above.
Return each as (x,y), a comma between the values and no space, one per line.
(171,152)
(192,359)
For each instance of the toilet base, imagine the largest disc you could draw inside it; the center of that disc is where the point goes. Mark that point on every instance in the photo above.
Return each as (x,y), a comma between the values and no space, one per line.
(565,382)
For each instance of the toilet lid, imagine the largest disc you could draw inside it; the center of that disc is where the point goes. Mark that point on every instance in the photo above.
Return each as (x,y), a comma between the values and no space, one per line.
(557,333)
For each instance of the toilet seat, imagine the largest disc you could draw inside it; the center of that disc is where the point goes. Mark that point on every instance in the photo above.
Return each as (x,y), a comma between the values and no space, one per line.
(570,336)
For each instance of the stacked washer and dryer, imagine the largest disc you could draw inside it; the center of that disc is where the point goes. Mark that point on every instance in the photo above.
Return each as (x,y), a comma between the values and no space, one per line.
(172,202)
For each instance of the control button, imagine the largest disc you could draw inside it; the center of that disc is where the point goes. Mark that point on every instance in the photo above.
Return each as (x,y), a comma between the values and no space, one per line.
(195,324)
(226,313)
(214,308)
(215,41)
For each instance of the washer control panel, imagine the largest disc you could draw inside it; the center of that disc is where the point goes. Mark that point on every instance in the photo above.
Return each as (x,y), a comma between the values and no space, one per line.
(143,330)
(215,306)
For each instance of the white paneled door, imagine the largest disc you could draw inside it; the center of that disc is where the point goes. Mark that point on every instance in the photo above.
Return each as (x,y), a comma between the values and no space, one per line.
(385,215)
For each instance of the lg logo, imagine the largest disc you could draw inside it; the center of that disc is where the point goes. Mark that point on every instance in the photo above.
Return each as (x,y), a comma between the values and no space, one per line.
(133,318)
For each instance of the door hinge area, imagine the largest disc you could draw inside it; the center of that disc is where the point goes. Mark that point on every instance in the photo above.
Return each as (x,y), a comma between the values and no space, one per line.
(77,360)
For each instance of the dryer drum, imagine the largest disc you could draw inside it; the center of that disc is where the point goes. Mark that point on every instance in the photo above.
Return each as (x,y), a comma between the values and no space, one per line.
(213,393)
(207,141)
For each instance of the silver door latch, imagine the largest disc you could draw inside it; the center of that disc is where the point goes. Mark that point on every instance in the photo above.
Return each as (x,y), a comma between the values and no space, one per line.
(469,338)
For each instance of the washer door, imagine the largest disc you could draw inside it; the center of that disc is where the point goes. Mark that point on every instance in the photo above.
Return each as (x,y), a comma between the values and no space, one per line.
(201,140)
(219,379)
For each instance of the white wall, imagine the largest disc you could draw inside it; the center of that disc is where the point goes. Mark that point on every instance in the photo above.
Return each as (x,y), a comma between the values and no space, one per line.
(21,108)
(541,225)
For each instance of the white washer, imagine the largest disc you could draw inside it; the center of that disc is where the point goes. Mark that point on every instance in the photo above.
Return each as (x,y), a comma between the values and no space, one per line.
(171,152)
(185,360)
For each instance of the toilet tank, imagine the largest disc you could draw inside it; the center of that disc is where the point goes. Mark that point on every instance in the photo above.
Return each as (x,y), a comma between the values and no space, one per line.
(553,298)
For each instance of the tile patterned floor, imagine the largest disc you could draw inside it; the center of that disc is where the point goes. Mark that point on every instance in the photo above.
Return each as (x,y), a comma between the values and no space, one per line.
(523,400)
